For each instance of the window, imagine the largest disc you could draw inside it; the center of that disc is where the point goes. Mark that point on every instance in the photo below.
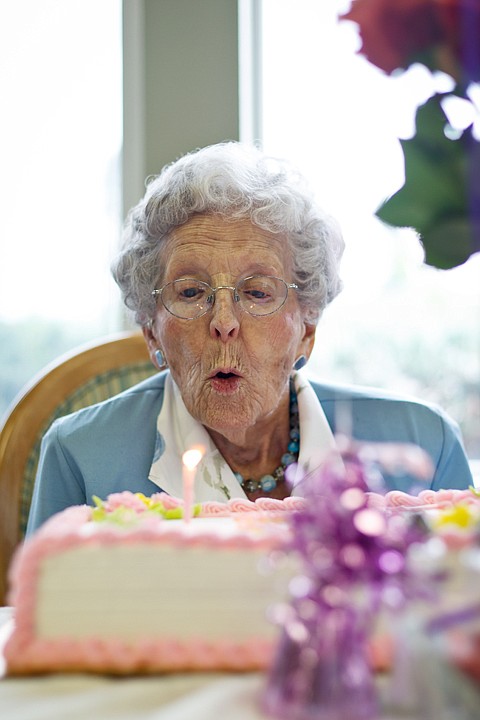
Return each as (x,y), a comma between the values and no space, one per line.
(398,323)
(60,144)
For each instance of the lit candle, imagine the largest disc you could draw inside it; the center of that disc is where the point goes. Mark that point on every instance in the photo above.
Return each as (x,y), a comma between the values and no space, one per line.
(190,460)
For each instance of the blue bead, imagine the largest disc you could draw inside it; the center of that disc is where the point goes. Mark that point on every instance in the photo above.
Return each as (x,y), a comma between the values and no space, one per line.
(288,459)
(295,434)
(239,477)
(267,483)
(293,446)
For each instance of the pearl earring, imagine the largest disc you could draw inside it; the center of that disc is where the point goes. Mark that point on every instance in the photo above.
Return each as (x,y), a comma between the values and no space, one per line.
(160,358)
(300,362)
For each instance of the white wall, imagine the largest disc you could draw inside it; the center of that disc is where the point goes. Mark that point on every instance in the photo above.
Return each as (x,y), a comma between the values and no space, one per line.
(181,83)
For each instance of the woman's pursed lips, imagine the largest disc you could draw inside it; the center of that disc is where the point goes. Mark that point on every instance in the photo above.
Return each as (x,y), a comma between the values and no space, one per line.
(224,373)
(225,380)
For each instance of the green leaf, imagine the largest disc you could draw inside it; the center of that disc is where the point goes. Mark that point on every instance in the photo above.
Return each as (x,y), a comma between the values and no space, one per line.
(448,244)
(434,199)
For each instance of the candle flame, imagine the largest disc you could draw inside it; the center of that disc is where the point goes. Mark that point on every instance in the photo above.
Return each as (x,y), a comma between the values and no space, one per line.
(191,458)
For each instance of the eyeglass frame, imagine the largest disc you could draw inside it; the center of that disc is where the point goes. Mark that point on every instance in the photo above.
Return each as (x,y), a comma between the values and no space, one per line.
(236,296)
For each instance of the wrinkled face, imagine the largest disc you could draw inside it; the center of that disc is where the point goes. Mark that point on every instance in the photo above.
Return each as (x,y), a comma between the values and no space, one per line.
(232,368)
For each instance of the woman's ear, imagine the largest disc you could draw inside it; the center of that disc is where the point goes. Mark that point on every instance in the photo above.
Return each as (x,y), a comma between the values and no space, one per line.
(156,355)
(307,342)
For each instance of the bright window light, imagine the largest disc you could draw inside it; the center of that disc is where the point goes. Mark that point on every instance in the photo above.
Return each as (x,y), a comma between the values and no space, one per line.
(398,324)
(60,145)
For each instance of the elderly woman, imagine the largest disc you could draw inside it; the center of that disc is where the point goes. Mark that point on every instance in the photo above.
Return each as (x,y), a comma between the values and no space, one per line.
(228,264)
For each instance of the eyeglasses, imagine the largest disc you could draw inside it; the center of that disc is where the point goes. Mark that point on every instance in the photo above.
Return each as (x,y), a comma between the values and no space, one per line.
(258,295)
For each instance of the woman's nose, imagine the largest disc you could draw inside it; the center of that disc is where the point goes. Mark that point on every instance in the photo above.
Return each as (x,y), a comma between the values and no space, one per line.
(225,323)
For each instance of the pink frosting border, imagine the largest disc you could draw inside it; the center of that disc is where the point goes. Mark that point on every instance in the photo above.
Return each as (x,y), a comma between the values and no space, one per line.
(237,505)
(426,499)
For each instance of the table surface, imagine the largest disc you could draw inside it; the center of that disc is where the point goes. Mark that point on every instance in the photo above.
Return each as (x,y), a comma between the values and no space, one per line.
(187,696)
(169,697)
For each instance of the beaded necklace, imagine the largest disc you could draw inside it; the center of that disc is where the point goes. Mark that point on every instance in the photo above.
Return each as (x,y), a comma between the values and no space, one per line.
(269,482)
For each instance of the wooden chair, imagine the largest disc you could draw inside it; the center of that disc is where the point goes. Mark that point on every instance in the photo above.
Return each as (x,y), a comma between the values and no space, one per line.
(83,377)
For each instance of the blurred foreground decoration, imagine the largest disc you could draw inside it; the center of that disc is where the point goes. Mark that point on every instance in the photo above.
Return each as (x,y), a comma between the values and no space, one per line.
(440,198)
(353,563)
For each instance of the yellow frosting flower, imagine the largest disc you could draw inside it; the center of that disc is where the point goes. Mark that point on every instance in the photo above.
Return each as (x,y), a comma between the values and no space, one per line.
(462,515)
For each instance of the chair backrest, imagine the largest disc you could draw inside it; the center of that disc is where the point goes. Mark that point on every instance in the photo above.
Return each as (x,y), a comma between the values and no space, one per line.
(83,377)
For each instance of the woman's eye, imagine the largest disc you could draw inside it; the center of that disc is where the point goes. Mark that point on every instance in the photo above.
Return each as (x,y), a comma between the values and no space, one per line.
(258,294)
(191,293)
(188,291)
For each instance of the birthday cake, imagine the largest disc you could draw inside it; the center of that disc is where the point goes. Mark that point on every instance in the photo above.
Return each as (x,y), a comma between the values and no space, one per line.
(130,586)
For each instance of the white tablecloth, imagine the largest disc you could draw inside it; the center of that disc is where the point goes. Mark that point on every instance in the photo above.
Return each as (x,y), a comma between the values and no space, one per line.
(193,696)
